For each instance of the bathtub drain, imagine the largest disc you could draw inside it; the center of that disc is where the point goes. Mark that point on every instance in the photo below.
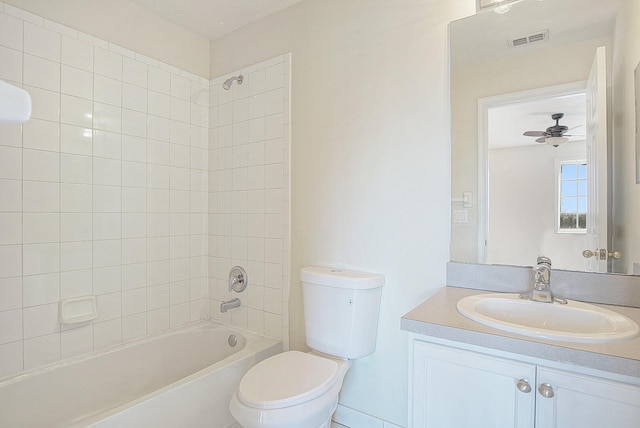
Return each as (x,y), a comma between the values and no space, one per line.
(233,340)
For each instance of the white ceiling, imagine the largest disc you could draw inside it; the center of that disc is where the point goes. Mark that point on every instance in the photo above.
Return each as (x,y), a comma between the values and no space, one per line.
(483,37)
(213,18)
(506,124)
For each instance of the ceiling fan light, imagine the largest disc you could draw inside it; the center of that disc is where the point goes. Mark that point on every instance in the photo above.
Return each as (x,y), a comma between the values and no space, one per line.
(556,141)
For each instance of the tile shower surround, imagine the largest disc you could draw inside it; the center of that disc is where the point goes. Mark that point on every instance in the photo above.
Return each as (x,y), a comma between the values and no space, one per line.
(249,195)
(104,191)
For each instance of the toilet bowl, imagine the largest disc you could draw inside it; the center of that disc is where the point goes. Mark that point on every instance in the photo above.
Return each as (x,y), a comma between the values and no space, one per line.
(290,390)
(300,390)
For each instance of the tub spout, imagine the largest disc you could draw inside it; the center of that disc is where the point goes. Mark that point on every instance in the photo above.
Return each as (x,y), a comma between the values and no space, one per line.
(229,304)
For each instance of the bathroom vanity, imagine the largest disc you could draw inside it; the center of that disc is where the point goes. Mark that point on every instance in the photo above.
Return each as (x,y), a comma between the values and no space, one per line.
(463,373)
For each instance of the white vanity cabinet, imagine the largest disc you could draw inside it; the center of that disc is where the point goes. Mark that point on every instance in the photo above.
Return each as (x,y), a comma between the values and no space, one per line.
(459,388)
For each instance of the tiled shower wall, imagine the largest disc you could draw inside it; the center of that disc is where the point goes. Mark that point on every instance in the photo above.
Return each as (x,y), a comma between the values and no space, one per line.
(103,192)
(249,195)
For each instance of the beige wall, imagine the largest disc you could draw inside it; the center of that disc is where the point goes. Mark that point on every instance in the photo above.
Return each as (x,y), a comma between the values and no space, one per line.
(126,24)
(369,158)
(626,236)
(523,207)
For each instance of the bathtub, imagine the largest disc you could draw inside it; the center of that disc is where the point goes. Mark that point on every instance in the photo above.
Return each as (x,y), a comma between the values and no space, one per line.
(184,378)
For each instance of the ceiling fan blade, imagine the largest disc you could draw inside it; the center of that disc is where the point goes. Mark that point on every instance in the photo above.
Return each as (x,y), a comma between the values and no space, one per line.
(541,140)
(534,133)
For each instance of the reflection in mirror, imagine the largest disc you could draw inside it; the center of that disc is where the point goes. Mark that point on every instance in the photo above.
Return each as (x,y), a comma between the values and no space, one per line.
(496,58)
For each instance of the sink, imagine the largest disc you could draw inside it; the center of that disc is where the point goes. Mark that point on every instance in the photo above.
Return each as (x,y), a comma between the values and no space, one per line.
(573,322)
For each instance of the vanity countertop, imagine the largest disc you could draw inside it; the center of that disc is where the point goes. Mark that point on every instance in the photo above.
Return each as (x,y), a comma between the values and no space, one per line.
(438,317)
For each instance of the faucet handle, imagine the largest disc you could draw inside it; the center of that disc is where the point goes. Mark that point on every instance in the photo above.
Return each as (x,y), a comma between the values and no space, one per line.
(543,259)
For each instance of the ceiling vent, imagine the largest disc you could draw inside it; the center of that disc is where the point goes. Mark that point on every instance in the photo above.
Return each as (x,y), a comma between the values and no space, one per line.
(538,36)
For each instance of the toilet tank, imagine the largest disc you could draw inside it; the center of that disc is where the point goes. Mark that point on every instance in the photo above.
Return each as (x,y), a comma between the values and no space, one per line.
(341,309)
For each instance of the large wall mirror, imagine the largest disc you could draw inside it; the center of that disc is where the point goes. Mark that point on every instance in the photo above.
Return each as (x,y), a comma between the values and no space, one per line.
(542,69)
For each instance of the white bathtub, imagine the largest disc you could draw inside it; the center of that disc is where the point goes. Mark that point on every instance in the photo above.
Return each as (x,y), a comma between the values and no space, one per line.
(184,378)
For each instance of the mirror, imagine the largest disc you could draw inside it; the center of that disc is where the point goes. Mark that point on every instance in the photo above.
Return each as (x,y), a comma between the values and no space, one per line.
(534,49)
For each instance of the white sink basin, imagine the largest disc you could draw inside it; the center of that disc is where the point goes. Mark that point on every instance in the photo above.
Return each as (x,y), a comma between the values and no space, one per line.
(573,322)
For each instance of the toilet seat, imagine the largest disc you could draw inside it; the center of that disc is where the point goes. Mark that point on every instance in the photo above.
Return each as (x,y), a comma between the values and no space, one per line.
(287,379)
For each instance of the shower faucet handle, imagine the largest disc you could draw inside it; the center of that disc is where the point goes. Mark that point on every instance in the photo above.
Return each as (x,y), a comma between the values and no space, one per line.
(238,279)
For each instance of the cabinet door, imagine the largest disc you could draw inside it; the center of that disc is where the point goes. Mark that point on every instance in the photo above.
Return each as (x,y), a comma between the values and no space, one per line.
(576,400)
(459,389)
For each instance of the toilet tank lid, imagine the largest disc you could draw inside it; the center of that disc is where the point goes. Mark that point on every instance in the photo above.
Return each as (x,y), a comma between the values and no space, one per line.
(341,278)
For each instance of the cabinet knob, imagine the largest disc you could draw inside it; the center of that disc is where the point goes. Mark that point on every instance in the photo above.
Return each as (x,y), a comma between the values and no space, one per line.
(523,386)
(546,390)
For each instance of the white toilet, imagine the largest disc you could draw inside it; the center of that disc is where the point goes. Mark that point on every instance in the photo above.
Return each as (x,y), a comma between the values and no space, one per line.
(300,390)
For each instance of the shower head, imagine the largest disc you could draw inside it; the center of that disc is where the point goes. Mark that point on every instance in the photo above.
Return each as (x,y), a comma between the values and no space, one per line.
(227,83)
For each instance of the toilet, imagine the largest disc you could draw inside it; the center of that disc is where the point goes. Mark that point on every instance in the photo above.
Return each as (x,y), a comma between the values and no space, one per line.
(300,390)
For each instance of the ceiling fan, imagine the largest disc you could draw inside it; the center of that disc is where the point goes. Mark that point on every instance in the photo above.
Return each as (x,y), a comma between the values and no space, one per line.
(553,135)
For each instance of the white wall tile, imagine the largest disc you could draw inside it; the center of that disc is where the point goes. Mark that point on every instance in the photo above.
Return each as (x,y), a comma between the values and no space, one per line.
(107,171)
(106,334)
(107,63)
(76,111)
(107,117)
(107,280)
(45,104)
(76,341)
(158,248)
(10,162)
(77,82)
(134,275)
(41,289)
(134,97)
(10,228)
(42,350)
(107,90)
(134,199)
(11,32)
(107,226)
(134,148)
(40,165)
(40,196)
(77,53)
(76,283)
(159,104)
(41,227)
(158,128)
(75,169)
(41,73)
(10,293)
(41,258)
(107,144)
(11,358)
(75,198)
(40,320)
(107,199)
(11,191)
(11,65)
(107,253)
(134,250)
(157,224)
(76,227)
(10,261)
(159,80)
(76,255)
(134,72)
(10,326)
(134,225)
(76,139)
(41,42)
(180,87)
(41,135)
(11,134)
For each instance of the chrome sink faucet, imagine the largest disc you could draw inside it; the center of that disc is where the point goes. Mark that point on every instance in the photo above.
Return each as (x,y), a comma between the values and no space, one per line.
(541,291)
